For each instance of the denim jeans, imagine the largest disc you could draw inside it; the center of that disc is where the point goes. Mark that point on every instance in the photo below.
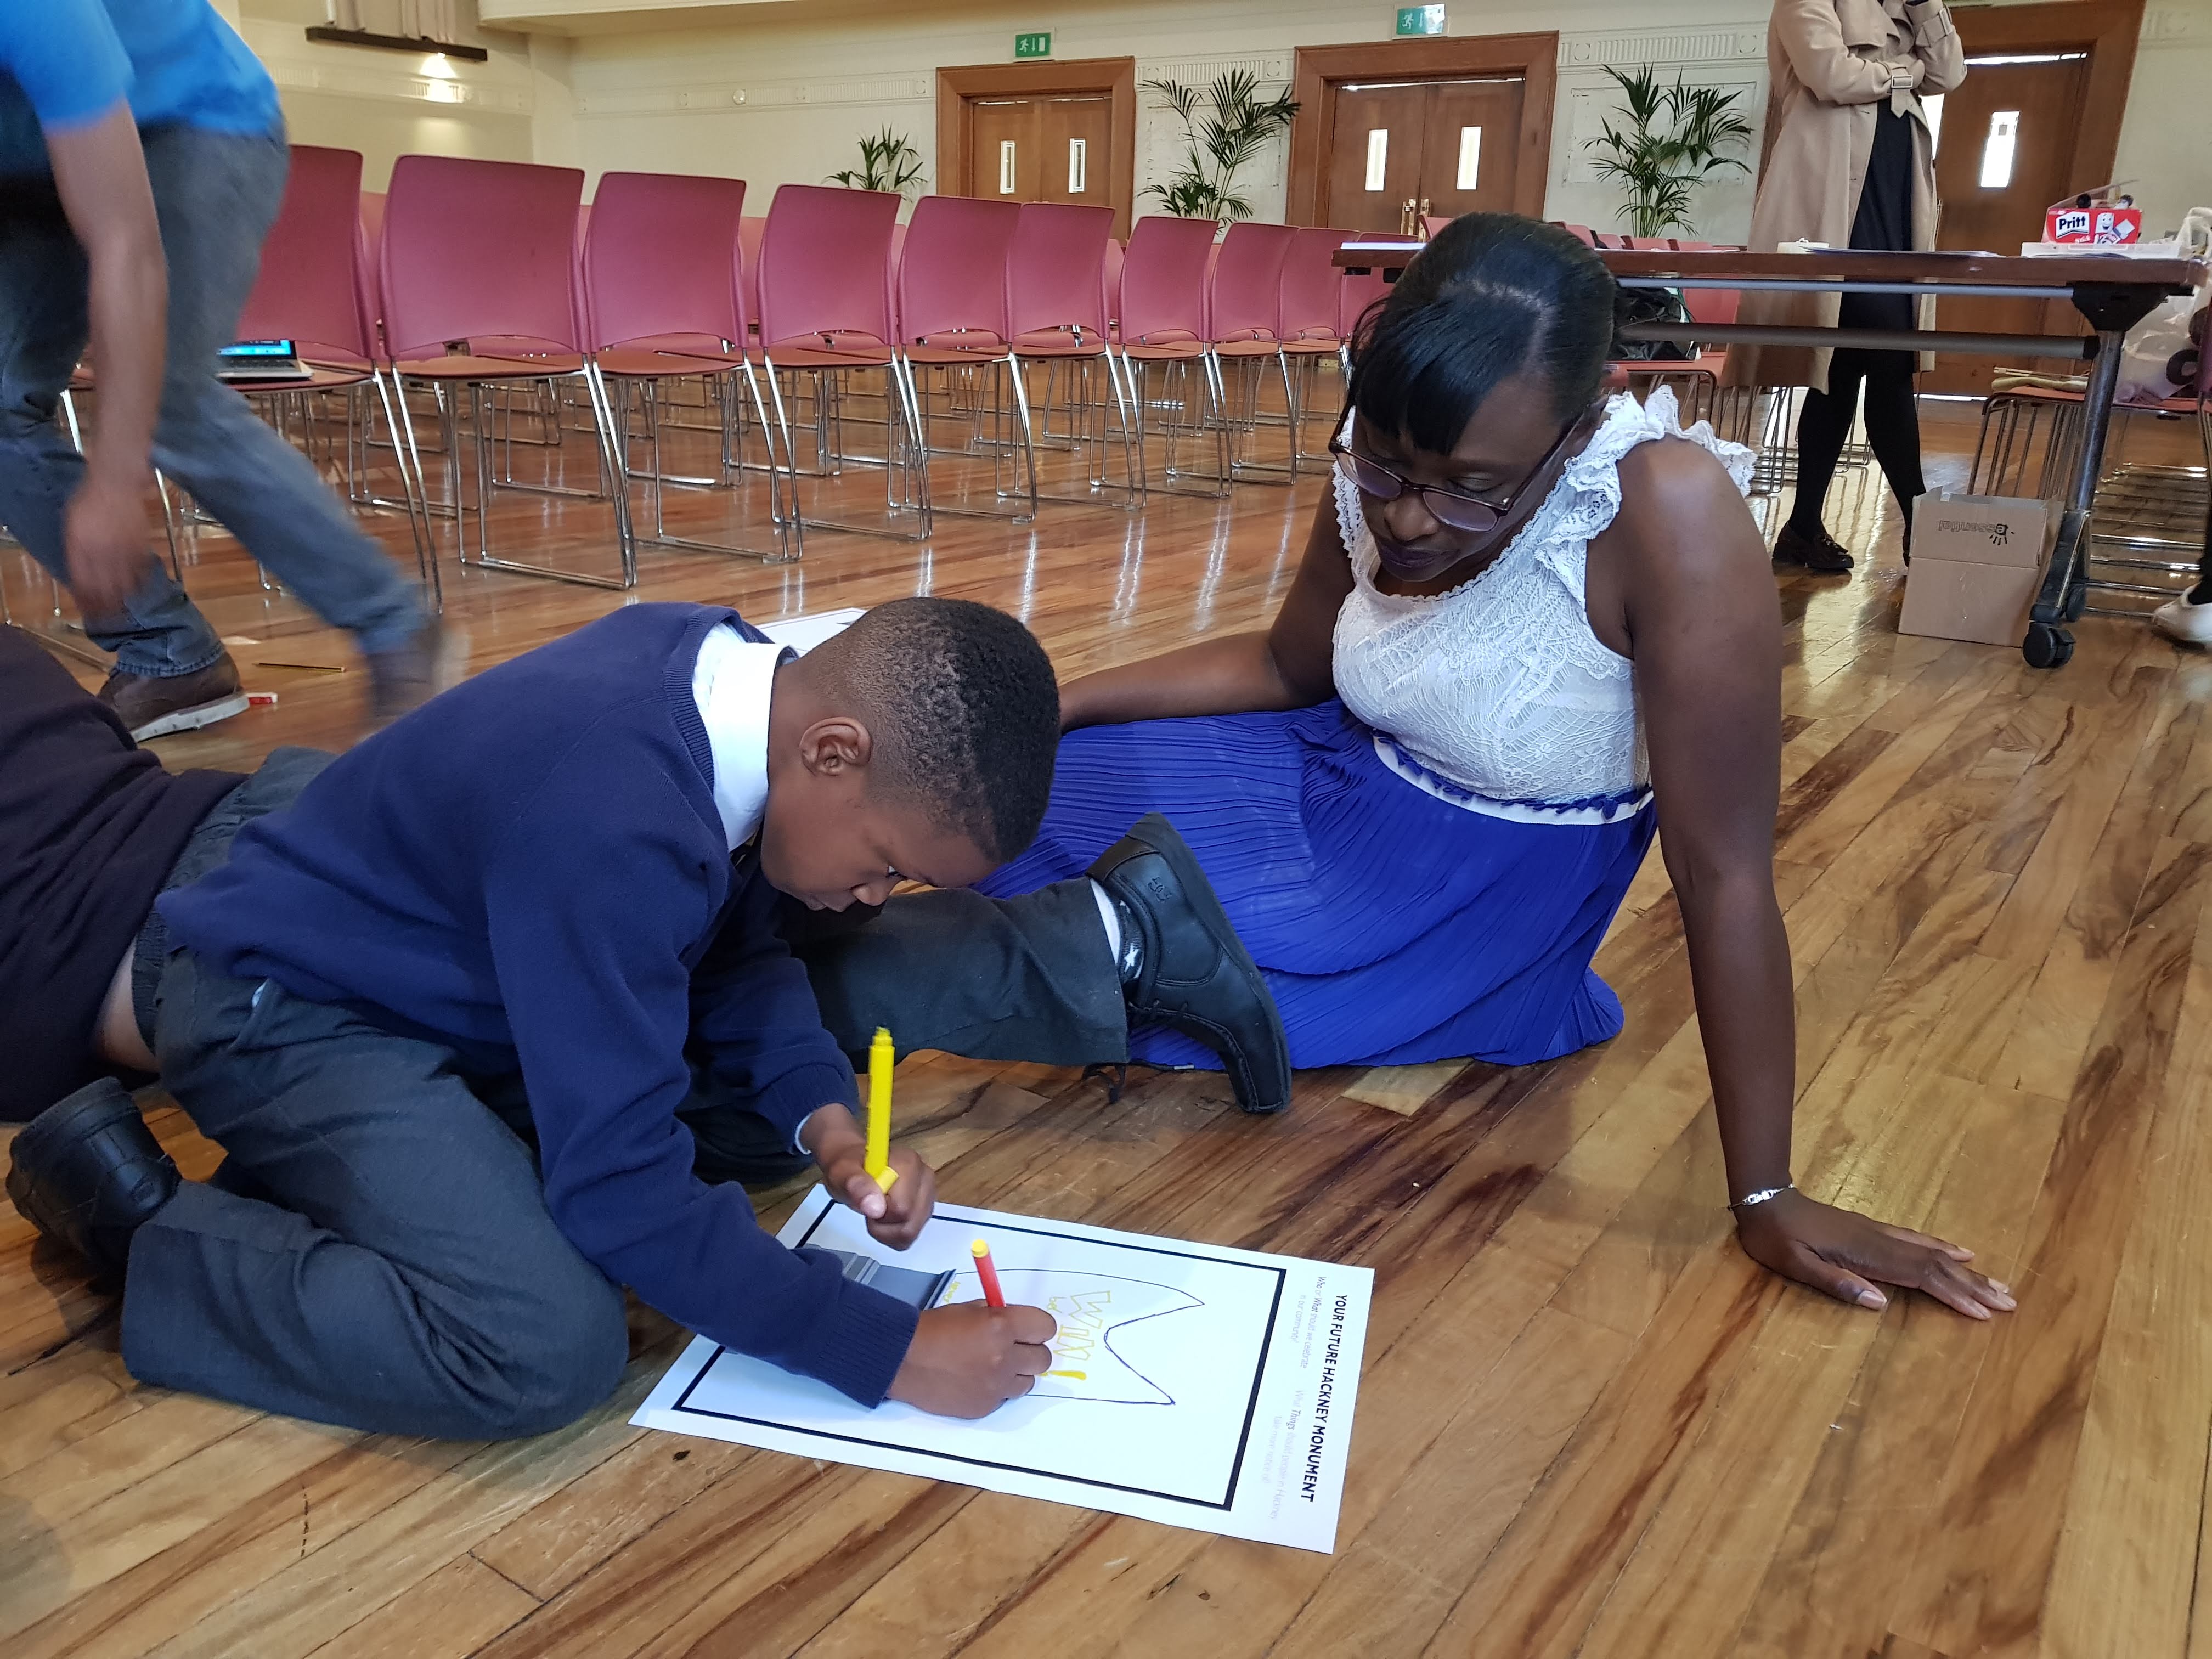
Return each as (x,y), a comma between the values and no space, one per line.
(218,194)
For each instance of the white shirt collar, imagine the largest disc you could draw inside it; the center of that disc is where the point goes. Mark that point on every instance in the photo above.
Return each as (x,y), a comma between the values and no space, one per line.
(730,685)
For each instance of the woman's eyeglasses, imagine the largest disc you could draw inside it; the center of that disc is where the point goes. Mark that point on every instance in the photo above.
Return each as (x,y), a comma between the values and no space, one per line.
(1462,511)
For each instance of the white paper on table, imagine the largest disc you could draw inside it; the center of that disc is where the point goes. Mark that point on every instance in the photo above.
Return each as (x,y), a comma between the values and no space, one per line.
(1193,1384)
(803,634)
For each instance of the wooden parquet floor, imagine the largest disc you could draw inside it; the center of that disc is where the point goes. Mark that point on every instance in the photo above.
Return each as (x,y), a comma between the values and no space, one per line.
(1588,1424)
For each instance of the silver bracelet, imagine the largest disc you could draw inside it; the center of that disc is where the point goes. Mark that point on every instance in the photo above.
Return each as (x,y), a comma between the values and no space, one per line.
(1763,1195)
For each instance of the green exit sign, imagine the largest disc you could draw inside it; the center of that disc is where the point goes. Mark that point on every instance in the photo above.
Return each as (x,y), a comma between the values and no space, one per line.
(1033,45)
(1420,20)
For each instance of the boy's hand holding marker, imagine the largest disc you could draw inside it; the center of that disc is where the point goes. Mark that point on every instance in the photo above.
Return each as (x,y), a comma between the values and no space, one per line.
(970,1359)
(965,1361)
(894,1217)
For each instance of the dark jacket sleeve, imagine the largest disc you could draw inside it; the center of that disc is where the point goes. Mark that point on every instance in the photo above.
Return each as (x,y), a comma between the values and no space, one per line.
(588,938)
(754,1020)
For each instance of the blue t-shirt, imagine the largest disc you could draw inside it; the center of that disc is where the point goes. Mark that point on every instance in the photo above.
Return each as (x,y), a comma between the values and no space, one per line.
(65,62)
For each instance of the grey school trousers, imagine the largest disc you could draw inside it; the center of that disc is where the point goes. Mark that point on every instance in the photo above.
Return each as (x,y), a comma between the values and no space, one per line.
(375,1250)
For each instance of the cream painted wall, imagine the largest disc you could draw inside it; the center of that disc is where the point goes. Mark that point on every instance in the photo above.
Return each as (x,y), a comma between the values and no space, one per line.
(388,103)
(2166,143)
(782,97)
(780,93)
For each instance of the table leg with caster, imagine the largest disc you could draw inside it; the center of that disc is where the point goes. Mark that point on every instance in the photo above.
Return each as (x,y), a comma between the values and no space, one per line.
(2112,309)
(2048,644)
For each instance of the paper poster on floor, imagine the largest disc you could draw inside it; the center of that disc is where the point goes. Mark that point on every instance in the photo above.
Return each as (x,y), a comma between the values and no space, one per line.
(1191,1384)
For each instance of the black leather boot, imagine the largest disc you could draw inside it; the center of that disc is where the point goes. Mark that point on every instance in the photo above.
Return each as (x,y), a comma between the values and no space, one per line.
(1194,974)
(1823,556)
(87,1171)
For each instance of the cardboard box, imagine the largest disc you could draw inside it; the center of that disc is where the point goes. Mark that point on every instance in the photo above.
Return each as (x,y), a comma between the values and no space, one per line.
(1977,562)
(2099,225)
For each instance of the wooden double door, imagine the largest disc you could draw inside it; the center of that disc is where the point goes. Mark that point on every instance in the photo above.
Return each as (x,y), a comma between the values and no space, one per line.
(1054,131)
(1400,150)
(2037,117)
(1048,147)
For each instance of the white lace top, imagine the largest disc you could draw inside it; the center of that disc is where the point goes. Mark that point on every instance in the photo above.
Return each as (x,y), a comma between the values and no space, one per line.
(1496,696)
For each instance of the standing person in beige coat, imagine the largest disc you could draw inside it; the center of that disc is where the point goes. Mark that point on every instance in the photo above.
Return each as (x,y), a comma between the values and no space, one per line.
(1849,162)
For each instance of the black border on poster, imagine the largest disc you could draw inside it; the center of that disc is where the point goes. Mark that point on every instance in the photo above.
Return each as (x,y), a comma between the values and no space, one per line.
(1243,1438)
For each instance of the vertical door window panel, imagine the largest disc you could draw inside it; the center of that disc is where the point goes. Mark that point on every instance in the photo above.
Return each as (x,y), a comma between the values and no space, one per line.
(1005,167)
(1997,149)
(1378,156)
(1078,163)
(1470,158)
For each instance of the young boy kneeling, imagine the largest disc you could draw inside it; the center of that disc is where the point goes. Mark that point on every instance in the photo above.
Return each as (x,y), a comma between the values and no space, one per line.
(557,884)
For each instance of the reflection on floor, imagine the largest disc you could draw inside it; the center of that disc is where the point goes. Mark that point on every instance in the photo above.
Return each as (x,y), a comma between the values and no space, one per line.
(1588,1424)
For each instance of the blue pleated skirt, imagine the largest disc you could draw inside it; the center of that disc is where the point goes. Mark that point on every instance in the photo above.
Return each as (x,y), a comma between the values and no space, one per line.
(1392,926)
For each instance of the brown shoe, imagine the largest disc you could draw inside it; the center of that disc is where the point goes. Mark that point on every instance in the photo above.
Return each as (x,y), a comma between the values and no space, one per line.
(407,676)
(154,706)
(1825,557)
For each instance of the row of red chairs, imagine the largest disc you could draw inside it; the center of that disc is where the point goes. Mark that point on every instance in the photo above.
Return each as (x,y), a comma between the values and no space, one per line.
(468,274)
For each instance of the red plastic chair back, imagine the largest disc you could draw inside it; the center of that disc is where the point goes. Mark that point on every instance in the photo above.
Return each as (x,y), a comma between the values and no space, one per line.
(1309,299)
(825,256)
(578,300)
(1431,223)
(1243,295)
(1056,270)
(309,288)
(891,264)
(1712,304)
(952,271)
(1360,291)
(749,240)
(1116,255)
(1583,234)
(480,250)
(660,260)
(1164,280)
(371,276)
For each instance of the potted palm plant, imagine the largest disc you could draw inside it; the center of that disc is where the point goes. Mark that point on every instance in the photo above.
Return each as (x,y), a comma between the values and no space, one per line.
(1223,126)
(1676,139)
(889,161)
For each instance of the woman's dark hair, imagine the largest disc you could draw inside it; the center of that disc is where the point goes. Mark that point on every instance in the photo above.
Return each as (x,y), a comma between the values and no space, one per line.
(1491,294)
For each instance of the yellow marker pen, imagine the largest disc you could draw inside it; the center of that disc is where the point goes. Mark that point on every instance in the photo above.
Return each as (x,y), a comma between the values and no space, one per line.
(878,1158)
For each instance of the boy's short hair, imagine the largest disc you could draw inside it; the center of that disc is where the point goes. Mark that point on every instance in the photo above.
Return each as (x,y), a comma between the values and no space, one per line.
(964,710)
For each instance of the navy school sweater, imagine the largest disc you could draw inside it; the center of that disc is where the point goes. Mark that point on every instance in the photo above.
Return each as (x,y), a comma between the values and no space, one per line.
(530,870)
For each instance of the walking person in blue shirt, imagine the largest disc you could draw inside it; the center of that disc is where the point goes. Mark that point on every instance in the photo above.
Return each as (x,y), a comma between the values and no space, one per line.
(129,131)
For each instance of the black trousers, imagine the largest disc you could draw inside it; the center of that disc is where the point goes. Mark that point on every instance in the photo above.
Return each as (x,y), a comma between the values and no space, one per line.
(1883,221)
(1028,978)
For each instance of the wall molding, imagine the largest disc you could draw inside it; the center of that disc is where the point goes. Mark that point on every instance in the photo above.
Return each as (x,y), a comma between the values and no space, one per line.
(2175,26)
(1271,68)
(1681,46)
(298,65)
(755,97)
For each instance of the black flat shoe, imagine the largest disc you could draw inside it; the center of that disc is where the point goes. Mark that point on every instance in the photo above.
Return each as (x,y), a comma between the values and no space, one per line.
(1824,557)
(87,1171)
(1195,975)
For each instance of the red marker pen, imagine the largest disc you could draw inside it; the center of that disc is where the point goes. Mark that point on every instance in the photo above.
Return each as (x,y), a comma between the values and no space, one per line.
(987,1271)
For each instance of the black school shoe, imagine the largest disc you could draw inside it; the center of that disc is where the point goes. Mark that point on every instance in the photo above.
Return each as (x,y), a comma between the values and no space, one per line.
(1825,557)
(87,1171)
(1195,975)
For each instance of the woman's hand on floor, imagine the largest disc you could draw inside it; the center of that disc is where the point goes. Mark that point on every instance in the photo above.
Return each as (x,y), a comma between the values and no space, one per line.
(1846,1253)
